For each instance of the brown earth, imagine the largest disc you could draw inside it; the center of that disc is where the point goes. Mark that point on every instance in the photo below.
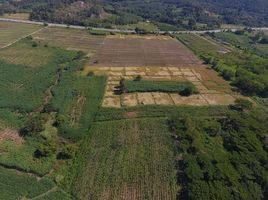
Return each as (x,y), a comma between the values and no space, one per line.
(143,51)
(10,135)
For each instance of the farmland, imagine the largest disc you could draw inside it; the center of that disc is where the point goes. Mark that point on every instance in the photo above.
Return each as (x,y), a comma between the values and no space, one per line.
(126,159)
(10,32)
(86,116)
(70,39)
(136,51)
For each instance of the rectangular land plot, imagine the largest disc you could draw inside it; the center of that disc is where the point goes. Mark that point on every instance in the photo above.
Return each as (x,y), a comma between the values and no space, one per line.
(129,51)
(11,32)
(70,39)
(127,159)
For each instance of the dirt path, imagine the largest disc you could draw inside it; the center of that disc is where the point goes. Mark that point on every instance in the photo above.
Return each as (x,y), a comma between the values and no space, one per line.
(45,193)
(49,95)
(9,44)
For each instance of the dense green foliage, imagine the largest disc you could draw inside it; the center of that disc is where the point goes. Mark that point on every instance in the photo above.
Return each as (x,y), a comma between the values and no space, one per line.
(251,41)
(166,14)
(159,86)
(15,185)
(106,114)
(223,158)
(76,99)
(133,155)
(22,157)
(247,71)
(23,87)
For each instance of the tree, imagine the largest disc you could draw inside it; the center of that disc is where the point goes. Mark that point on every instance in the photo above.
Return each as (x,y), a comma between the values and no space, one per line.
(192,23)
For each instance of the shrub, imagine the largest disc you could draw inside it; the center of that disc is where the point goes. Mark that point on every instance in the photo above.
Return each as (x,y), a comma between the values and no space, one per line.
(138,78)
(90,74)
(67,152)
(242,105)
(34,44)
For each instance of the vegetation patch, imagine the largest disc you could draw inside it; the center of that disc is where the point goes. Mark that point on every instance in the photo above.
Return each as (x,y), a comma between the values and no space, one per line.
(216,155)
(15,185)
(124,159)
(183,87)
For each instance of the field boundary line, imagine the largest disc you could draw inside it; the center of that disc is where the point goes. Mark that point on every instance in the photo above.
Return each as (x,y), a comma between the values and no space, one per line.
(45,193)
(129,119)
(17,40)
(213,42)
(156,117)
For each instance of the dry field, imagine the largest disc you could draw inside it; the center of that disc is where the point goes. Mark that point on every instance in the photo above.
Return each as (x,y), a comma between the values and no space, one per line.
(213,90)
(11,32)
(70,39)
(146,51)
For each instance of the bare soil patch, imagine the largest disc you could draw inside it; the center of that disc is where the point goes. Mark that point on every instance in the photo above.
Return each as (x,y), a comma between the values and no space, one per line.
(129,51)
(10,135)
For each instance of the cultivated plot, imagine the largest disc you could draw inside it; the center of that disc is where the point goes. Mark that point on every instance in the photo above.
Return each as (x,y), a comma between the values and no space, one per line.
(11,32)
(148,51)
(127,159)
(213,90)
(70,39)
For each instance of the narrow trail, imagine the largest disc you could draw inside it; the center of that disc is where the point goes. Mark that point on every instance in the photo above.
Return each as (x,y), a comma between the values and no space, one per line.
(9,44)
(45,193)
(21,171)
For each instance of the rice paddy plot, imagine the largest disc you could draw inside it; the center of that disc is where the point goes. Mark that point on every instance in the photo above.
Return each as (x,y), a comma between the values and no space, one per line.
(10,32)
(126,159)
(70,39)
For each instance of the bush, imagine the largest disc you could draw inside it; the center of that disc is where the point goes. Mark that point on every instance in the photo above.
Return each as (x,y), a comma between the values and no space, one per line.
(34,125)
(242,105)
(67,152)
(46,149)
(137,78)
(34,44)
(90,74)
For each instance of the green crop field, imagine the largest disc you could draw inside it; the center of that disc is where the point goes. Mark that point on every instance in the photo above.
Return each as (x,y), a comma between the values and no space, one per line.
(10,32)
(159,86)
(125,159)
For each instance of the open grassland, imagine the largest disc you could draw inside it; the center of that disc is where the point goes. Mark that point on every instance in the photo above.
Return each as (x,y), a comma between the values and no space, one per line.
(70,39)
(128,159)
(247,71)
(10,32)
(138,51)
